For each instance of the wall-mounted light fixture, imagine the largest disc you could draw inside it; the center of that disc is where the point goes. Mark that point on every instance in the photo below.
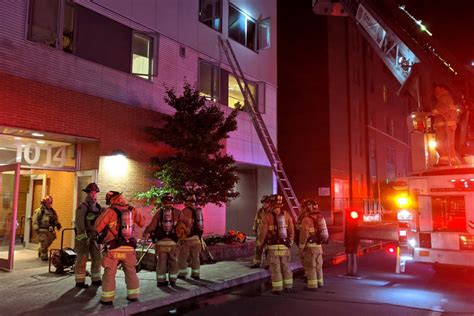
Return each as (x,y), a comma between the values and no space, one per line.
(116,165)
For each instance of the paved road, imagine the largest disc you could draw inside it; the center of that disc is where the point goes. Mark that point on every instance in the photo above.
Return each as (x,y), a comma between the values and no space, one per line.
(420,291)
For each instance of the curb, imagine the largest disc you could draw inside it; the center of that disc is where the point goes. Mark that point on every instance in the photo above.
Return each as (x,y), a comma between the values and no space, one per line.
(253,275)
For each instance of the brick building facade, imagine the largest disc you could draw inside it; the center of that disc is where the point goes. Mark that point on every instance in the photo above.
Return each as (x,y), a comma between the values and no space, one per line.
(73,96)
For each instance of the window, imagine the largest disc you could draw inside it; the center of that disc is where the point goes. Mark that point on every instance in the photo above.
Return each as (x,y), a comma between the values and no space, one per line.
(68,28)
(242,28)
(210,13)
(209,80)
(142,52)
(449,213)
(43,22)
(391,163)
(89,35)
(235,96)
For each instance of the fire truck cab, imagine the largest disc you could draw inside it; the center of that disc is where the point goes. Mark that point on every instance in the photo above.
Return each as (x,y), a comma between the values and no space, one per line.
(440,220)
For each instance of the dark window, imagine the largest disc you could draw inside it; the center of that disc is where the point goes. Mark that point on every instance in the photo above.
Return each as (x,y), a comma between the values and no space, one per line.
(242,28)
(210,13)
(68,27)
(102,40)
(209,80)
(89,35)
(43,22)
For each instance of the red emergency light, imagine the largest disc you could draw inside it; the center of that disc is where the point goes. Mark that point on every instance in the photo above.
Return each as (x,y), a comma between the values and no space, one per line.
(391,249)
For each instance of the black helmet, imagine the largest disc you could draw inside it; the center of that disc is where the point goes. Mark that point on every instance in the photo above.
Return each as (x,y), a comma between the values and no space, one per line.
(91,187)
(167,197)
(265,198)
(110,195)
(310,202)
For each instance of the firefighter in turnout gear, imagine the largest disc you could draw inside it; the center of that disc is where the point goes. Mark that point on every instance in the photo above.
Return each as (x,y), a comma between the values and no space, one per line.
(86,215)
(190,248)
(118,221)
(313,233)
(45,221)
(445,122)
(277,233)
(256,227)
(163,231)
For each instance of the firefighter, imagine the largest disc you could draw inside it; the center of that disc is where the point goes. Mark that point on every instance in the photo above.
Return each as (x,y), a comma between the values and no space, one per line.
(163,231)
(256,225)
(445,121)
(86,215)
(277,233)
(190,248)
(45,221)
(116,223)
(313,233)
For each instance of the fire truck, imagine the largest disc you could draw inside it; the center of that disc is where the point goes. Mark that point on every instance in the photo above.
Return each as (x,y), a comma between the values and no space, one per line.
(436,216)
(435,205)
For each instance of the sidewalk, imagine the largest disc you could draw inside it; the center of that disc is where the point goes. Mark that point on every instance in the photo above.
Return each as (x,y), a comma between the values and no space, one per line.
(35,291)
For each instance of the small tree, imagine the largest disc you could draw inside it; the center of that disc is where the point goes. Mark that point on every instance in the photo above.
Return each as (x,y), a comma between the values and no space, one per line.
(199,166)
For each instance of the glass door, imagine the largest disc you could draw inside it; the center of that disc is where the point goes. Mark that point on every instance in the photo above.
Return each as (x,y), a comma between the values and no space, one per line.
(36,192)
(9,187)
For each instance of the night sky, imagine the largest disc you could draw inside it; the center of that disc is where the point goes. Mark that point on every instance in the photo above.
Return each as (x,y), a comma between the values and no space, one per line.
(450,21)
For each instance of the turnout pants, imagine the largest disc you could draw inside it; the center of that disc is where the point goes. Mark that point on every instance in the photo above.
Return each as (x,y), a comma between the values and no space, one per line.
(127,257)
(166,260)
(313,265)
(85,247)
(189,251)
(45,238)
(257,258)
(279,259)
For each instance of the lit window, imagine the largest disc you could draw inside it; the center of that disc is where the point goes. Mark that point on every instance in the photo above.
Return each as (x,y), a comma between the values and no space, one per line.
(242,28)
(235,96)
(209,80)
(210,13)
(142,52)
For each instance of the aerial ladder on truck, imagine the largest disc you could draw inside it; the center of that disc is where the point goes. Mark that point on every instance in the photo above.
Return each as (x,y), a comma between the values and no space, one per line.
(261,129)
(414,58)
(410,52)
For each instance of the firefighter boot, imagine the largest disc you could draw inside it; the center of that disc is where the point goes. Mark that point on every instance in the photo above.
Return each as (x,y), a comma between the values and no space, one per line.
(97,283)
(82,285)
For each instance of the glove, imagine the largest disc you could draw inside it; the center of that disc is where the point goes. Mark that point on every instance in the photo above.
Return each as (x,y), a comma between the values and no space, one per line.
(51,228)
(58,226)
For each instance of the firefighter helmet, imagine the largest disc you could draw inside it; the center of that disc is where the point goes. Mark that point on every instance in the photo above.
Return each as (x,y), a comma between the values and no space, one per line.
(265,198)
(91,187)
(167,197)
(309,202)
(110,195)
(47,199)
(118,200)
(276,199)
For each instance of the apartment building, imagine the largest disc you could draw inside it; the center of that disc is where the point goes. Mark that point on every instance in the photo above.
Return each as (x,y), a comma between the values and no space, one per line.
(80,80)
(342,125)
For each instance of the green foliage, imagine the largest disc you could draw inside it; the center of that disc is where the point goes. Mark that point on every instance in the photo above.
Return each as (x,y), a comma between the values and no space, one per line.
(198,166)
